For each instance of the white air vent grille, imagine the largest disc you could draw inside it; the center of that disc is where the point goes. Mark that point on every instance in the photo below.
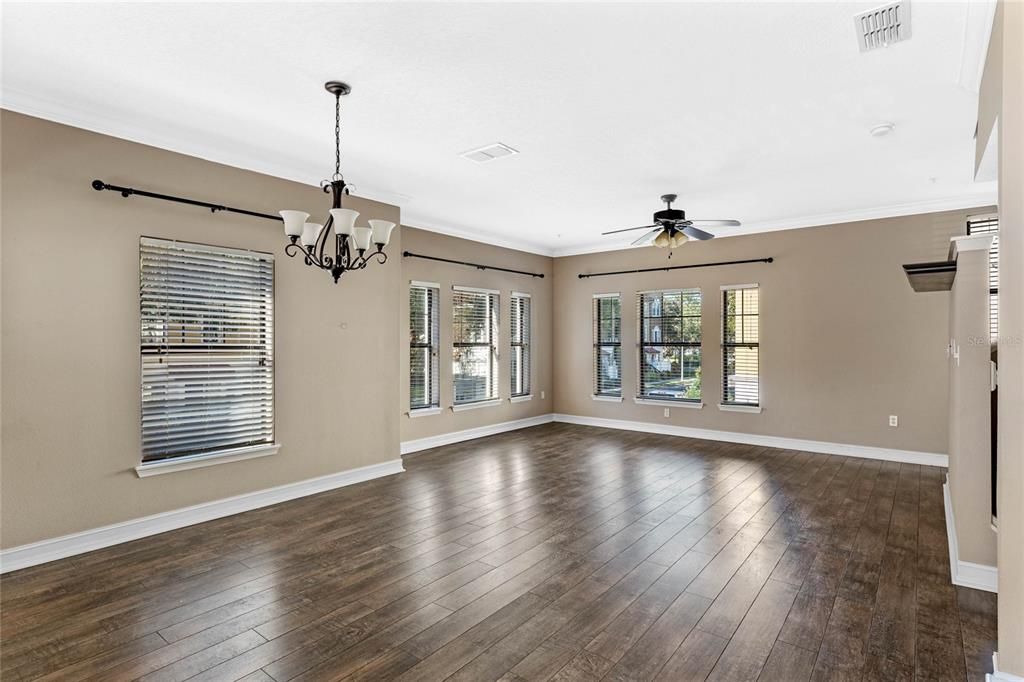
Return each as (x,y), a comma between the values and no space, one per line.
(489,152)
(883,26)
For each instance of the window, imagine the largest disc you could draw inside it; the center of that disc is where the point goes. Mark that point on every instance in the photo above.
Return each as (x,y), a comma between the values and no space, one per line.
(670,337)
(519,330)
(740,371)
(607,345)
(207,349)
(424,330)
(990,225)
(475,349)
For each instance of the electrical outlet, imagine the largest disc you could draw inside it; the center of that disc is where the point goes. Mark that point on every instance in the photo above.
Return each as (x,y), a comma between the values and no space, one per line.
(894,420)
(666,412)
(542,395)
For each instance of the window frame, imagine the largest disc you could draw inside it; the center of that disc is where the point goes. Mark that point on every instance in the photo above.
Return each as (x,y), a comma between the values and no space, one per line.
(432,369)
(209,335)
(726,346)
(598,344)
(643,397)
(493,297)
(524,377)
(991,221)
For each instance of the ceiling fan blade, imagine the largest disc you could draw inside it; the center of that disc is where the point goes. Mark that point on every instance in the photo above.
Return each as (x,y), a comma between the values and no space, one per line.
(695,233)
(715,223)
(630,229)
(648,236)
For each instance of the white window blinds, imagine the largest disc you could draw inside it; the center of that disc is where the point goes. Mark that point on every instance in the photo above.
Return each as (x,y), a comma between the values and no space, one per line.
(519,331)
(207,348)
(670,337)
(424,330)
(475,346)
(740,346)
(607,345)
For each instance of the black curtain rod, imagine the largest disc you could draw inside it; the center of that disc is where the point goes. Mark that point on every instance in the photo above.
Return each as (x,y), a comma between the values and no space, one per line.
(410,254)
(126,192)
(677,267)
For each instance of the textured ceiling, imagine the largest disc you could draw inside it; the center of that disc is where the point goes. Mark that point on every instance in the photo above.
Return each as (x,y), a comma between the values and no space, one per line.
(754,111)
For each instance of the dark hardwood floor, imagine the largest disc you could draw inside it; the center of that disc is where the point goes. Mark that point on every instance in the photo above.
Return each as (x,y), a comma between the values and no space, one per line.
(553,553)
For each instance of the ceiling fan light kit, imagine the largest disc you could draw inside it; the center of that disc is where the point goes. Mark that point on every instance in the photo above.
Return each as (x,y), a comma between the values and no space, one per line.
(351,243)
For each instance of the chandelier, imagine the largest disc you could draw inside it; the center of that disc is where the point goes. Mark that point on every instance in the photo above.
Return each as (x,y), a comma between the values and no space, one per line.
(351,244)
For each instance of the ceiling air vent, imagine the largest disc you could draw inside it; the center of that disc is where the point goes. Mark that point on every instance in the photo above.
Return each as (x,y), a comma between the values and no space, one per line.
(489,152)
(883,26)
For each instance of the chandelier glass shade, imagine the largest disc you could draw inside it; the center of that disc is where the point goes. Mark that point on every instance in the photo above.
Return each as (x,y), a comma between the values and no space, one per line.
(337,245)
(670,237)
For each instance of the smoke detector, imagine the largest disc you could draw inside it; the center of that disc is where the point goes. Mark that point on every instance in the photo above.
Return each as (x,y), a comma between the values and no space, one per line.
(883,26)
(489,152)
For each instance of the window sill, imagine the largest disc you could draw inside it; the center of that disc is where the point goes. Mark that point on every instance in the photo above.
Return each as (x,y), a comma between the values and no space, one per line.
(607,398)
(756,409)
(668,402)
(198,461)
(424,412)
(521,398)
(476,405)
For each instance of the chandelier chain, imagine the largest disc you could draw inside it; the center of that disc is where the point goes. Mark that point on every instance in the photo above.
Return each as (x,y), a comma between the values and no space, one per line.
(337,137)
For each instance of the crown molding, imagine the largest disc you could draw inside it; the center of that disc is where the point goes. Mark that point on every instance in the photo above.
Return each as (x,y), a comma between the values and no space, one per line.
(986,193)
(978,24)
(93,121)
(413,220)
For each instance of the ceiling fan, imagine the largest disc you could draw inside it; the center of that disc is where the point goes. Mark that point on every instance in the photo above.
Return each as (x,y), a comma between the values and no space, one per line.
(671,228)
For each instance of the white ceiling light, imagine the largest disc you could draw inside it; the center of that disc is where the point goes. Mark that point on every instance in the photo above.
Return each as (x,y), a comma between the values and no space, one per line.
(882,129)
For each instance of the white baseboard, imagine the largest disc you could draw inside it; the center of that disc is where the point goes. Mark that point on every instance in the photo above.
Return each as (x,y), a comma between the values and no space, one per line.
(865,451)
(411,446)
(97,538)
(965,573)
(998,675)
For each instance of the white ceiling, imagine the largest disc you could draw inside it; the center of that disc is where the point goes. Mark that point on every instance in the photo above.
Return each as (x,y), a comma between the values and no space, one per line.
(754,111)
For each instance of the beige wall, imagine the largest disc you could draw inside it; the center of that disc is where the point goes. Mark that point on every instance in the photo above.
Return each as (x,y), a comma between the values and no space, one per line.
(1010,28)
(70,338)
(970,411)
(845,342)
(447,275)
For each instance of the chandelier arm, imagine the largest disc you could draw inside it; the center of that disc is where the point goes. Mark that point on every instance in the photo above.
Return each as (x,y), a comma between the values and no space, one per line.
(295,249)
(326,262)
